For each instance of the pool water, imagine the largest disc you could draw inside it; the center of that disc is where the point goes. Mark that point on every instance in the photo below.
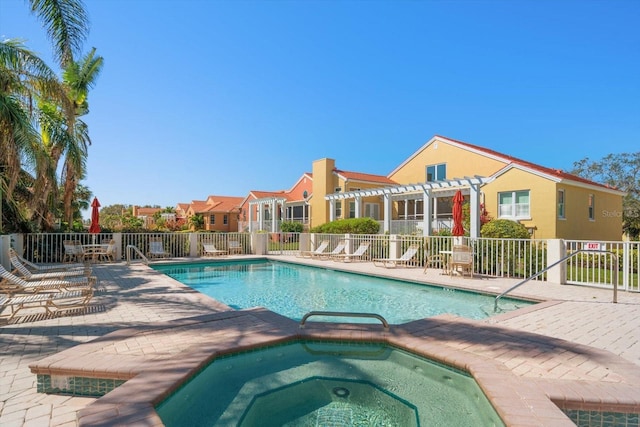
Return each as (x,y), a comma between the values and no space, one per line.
(293,290)
(304,384)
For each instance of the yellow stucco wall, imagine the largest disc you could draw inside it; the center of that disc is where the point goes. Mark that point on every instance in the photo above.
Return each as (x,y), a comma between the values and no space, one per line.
(607,220)
(324,183)
(542,200)
(460,163)
(607,223)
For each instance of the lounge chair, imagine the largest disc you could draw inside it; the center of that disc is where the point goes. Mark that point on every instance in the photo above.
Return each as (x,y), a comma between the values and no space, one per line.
(317,251)
(52,302)
(156,249)
(359,255)
(235,247)
(209,249)
(12,284)
(42,268)
(30,276)
(462,259)
(339,249)
(405,260)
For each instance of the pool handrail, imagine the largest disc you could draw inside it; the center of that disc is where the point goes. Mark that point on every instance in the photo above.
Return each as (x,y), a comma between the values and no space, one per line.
(135,249)
(549,267)
(384,322)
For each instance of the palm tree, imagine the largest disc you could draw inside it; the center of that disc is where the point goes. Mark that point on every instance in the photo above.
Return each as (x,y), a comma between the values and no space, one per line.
(25,80)
(79,77)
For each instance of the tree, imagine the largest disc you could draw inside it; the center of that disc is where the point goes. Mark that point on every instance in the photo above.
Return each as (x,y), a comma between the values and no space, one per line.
(197,222)
(36,139)
(621,171)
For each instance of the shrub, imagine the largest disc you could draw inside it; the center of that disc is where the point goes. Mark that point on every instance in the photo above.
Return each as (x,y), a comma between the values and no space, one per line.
(349,225)
(291,227)
(505,229)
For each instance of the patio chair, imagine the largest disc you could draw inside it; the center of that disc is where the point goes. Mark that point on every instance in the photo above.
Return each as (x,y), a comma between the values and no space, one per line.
(317,251)
(71,252)
(235,247)
(41,268)
(359,255)
(405,260)
(339,249)
(30,276)
(52,302)
(11,284)
(156,249)
(461,260)
(209,249)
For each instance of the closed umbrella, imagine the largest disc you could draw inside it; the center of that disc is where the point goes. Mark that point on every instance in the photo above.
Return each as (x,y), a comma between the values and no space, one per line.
(458,229)
(95,217)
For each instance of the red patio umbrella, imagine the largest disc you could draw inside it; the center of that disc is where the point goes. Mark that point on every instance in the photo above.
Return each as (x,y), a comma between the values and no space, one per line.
(458,229)
(95,217)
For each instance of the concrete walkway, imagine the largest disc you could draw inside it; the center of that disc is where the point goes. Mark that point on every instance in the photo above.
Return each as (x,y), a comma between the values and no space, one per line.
(137,297)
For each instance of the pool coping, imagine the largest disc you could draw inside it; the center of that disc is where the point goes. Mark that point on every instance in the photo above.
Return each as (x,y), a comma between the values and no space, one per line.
(152,376)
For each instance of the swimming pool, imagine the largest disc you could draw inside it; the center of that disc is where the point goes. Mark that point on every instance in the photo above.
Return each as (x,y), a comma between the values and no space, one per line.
(294,290)
(310,383)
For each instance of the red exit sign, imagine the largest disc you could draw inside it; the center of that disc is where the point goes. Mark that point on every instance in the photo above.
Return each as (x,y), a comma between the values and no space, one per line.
(593,246)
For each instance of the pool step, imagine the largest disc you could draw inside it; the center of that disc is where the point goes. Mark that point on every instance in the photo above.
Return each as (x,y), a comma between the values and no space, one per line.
(331,416)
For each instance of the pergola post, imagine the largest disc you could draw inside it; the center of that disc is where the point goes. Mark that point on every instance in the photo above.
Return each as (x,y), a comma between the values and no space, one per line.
(427,203)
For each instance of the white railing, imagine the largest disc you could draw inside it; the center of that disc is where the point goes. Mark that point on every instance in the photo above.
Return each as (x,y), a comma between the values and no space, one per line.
(600,270)
(492,257)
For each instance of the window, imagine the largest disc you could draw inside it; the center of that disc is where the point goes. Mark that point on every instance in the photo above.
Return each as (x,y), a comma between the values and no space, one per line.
(514,204)
(372,210)
(212,219)
(337,189)
(592,207)
(436,172)
(338,212)
(561,204)
(352,209)
(225,219)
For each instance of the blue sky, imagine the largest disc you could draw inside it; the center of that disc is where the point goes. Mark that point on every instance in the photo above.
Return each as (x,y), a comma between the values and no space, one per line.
(223,97)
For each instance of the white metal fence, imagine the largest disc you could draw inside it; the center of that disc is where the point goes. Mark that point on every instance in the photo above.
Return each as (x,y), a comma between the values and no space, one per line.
(492,257)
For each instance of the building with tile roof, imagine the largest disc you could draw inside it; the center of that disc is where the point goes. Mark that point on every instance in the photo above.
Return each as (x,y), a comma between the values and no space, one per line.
(220,213)
(550,203)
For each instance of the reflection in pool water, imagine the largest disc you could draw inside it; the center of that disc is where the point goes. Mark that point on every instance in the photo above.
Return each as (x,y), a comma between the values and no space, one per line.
(294,290)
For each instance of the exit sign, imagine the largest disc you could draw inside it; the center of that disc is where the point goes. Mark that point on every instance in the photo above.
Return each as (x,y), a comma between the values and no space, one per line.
(593,246)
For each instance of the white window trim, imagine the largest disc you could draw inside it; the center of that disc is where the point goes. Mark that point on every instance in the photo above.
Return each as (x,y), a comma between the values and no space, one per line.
(514,206)
(564,205)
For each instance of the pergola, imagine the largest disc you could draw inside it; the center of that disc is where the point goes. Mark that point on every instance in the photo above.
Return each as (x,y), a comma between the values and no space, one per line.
(427,191)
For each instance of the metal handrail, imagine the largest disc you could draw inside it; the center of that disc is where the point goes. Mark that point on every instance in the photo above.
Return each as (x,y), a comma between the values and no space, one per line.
(572,254)
(135,248)
(343,314)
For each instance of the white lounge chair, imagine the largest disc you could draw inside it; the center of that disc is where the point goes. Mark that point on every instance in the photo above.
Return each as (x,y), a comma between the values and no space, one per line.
(209,249)
(52,302)
(235,247)
(317,251)
(42,268)
(339,249)
(405,259)
(12,284)
(359,255)
(30,276)
(156,249)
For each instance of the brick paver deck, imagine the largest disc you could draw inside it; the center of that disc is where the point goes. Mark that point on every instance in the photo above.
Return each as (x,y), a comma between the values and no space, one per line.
(143,318)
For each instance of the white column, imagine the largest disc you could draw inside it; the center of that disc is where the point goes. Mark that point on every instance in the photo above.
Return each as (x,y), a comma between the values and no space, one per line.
(274,216)
(387,213)
(332,210)
(474,211)
(358,202)
(427,219)
(251,205)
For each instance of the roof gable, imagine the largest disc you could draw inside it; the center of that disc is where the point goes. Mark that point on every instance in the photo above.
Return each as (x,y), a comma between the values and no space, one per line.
(549,173)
